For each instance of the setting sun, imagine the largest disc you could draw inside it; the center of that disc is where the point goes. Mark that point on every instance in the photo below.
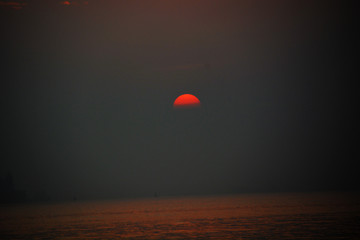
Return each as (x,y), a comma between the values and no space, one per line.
(186,101)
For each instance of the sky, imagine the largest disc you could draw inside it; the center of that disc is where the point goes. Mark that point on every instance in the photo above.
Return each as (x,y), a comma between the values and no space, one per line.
(88,89)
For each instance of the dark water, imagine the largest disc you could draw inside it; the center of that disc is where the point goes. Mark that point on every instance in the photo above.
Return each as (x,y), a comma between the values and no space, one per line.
(267,216)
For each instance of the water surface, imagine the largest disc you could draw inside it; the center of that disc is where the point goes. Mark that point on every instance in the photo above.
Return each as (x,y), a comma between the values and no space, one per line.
(255,216)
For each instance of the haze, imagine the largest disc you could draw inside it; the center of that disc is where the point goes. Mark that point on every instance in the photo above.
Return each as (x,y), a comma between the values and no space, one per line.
(87,94)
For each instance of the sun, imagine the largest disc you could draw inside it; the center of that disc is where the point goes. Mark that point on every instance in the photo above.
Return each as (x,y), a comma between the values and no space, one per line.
(187,101)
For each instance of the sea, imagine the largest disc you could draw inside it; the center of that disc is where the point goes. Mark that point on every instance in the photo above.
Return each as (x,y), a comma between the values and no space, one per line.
(245,216)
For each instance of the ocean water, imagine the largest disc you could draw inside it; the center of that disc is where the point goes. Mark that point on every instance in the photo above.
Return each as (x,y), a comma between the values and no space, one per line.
(253,216)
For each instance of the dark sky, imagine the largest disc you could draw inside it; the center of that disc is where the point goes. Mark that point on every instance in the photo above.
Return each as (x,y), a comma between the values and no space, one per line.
(87,93)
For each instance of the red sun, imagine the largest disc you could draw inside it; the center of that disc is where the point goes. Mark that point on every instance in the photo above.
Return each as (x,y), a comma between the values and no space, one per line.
(186,101)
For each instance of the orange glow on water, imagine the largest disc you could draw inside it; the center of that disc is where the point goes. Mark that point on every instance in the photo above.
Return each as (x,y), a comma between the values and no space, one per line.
(74,3)
(186,101)
(14,5)
(255,216)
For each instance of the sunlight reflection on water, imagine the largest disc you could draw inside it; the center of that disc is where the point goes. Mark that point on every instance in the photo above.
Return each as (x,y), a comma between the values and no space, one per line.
(275,216)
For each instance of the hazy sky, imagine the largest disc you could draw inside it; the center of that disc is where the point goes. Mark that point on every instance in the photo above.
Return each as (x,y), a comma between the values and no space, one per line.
(87,93)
